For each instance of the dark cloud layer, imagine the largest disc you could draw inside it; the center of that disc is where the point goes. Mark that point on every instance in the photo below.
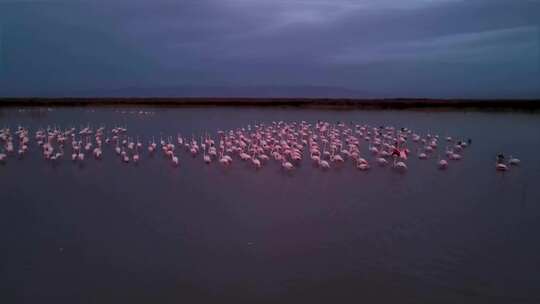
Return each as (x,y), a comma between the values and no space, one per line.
(423,48)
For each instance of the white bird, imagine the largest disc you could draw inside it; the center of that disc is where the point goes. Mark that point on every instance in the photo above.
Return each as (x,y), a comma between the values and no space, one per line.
(399,165)
(514,161)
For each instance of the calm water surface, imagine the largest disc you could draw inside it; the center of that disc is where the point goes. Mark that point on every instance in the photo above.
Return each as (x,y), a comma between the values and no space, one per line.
(107,232)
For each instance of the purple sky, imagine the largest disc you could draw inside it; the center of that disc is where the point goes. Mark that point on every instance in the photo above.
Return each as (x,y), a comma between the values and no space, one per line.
(364,48)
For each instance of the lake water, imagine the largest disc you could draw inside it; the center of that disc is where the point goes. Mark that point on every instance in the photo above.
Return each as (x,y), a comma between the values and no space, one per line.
(108,232)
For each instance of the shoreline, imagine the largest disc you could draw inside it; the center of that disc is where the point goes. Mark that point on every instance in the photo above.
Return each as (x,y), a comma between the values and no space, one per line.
(333,103)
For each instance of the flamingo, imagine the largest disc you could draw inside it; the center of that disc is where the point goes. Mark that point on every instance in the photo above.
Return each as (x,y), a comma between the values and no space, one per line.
(136,155)
(264,157)
(514,161)
(287,165)
(206,157)
(316,159)
(244,156)
(455,156)
(373,149)
(97,153)
(256,162)
(422,155)
(324,164)
(363,165)
(501,167)
(224,161)
(337,158)
(442,163)
(382,161)
(399,165)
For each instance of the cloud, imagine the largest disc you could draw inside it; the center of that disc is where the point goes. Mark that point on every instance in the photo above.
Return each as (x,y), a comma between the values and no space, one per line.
(504,46)
(370,45)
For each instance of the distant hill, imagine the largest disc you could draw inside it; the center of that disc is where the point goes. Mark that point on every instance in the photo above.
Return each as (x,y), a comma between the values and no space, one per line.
(255,91)
(226,91)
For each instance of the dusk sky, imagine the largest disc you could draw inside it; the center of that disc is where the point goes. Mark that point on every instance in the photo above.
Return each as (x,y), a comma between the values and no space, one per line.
(363,48)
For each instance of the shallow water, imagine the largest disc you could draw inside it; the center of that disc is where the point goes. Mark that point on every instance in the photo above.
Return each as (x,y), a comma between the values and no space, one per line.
(107,232)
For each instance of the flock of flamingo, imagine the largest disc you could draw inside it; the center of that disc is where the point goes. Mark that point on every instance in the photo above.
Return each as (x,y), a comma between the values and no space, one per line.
(287,143)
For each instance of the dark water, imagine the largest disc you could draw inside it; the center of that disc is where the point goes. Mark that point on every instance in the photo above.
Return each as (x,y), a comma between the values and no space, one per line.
(108,232)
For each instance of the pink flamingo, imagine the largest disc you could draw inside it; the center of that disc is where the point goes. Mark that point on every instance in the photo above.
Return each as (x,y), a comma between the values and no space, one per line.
(362,164)
(442,163)
(287,165)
